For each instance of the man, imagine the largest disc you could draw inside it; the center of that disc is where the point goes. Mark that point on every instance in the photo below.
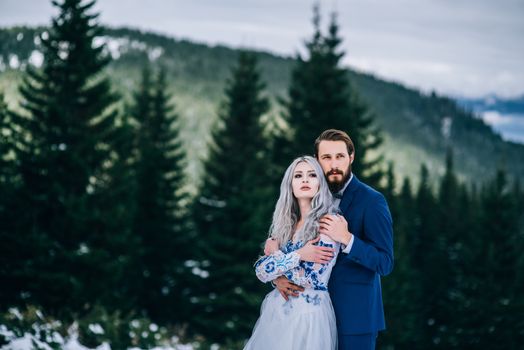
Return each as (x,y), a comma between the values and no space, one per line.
(366,233)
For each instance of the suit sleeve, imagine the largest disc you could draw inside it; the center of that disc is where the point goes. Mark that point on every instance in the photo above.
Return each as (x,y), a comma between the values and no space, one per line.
(375,249)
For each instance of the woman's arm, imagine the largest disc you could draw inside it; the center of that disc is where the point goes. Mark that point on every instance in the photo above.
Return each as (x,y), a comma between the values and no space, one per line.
(269,267)
(312,274)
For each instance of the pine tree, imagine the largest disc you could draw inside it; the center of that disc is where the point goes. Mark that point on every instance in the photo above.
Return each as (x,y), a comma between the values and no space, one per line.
(399,289)
(10,264)
(161,222)
(446,251)
(233,210)
(77,232)
(496,280)
(422,248)
(321,97)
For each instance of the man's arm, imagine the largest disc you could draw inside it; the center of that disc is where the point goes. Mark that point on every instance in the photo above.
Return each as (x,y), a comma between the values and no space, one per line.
(309,252)
(376,251)
(286,287)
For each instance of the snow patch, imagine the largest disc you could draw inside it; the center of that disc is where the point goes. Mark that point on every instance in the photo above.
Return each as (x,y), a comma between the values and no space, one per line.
(96,328)
(212,202)
(199,272)
(83,249)
(446,127)
(118,46)
(36,58)
(155,53)
(14,62)
(26,343)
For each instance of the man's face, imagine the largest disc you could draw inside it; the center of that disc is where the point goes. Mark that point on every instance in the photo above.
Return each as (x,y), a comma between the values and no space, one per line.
(336,163)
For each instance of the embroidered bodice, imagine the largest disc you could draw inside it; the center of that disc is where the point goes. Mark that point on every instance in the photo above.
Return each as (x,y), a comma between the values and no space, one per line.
(286,262)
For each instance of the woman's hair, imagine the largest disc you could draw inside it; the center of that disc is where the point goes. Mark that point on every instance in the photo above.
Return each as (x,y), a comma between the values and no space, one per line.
(287,211)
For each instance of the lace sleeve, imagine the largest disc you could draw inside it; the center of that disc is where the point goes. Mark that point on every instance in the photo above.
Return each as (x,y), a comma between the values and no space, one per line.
(314,275)
(269,267)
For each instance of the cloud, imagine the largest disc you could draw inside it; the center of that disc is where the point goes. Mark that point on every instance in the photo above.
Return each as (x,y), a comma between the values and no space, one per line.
(457,47)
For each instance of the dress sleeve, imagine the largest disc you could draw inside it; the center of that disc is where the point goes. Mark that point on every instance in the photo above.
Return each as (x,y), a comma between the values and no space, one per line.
(315,275)
(269,267)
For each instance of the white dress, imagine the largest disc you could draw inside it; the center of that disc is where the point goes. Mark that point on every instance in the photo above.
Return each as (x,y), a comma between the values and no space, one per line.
(304,322)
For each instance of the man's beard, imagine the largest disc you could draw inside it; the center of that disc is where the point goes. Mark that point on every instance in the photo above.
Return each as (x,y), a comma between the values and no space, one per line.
(335,185)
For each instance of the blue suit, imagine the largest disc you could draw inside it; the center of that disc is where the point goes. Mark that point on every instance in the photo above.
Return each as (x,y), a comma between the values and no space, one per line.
(354,285)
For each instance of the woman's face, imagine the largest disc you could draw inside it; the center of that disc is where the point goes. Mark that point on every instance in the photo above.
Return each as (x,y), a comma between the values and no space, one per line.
(305,181)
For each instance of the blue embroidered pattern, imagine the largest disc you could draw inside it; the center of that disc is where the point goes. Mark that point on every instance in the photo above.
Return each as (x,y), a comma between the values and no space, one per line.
(286,262)
(269,267)
(312,300)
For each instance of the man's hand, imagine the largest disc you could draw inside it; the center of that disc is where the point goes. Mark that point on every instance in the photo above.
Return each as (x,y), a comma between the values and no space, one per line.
(271,246)
(336,227)
(287,288)
(316,254)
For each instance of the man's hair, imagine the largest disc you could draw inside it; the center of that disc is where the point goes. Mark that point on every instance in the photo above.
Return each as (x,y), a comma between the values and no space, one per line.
(334,135)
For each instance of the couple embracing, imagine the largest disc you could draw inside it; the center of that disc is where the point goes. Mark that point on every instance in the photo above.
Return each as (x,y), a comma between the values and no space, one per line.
(330,240)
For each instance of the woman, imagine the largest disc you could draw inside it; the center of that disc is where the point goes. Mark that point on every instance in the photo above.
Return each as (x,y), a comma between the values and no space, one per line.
(306,321)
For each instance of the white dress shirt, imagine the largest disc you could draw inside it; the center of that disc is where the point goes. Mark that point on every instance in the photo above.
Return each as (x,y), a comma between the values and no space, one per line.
(345,249)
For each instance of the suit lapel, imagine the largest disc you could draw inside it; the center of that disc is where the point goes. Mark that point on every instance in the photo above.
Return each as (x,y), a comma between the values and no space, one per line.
(348,195)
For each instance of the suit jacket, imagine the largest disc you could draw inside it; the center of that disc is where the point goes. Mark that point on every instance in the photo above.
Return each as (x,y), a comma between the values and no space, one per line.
(354,285)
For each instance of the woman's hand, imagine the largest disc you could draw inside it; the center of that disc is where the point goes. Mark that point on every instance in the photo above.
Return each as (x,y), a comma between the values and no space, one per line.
(271,246)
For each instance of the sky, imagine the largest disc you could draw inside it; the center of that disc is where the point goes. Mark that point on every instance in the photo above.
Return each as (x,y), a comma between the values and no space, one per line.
(461,48)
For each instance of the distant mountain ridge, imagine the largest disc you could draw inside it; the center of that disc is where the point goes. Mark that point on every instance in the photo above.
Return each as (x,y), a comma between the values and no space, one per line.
(506,116)
(418,128)
(493,102)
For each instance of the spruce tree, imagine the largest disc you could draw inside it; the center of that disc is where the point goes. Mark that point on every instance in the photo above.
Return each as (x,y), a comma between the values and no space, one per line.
(77,232)
(10,263)
(496,289)
(161,222)
(400,288)
(423,247)
(321,97)
(233,208)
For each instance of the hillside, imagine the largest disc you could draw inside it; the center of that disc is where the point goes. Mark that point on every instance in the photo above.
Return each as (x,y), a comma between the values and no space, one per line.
(417,127)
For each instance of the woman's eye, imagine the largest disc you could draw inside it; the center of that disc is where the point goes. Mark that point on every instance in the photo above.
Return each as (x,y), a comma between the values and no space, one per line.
(313,175)
(298,176)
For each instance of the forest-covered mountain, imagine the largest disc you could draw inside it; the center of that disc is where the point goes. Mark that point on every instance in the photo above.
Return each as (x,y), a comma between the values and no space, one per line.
(505,115)
(418,128)
(493,102)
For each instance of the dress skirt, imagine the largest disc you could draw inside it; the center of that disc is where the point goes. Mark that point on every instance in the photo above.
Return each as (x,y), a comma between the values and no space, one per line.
(306,322)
